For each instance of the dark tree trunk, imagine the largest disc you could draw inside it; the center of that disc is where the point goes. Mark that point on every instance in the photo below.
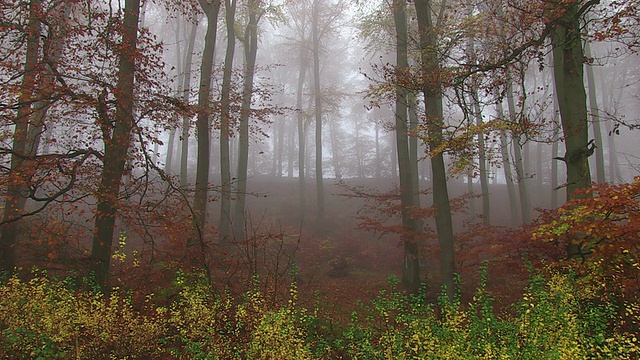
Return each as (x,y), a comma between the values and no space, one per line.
(13,204)
(435,123)
(411,269)
(203,120)
(572,100)
(250,53)
(225,118)
(116,148)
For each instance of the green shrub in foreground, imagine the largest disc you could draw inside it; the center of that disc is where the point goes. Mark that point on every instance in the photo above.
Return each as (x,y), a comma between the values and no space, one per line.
(556,319)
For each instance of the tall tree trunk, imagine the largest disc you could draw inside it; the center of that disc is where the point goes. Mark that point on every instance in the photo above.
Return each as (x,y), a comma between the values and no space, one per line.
(435,123)
(225,119)
(318,114)
(413,151)
(52,53)
(554,155)
(477,114)
(525,205)
(378,158)
(595,119)
(572,100)
(335,149)
(16,183)
(250,53)
(280,150)
(411,269)
(482,159)
(614,170)
(291,144)
(186,121)
(203,118)
(508,173)
(116,147)
(302,144)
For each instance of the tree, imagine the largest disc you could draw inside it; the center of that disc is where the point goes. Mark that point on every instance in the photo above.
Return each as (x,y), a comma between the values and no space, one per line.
(211,10)
(432,90)
(225,120)
(14,206)
(315,40)
(116,147)
(411,272)
(250,42)
(568,57)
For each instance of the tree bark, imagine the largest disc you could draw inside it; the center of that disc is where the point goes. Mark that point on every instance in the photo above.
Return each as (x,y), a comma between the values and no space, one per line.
(13,204)
(572,101)
(186,121)
(508,173)
(411,269)
(225,119)
(301,134)
(318,115)
(250,53)
(203,118)
(116,148)
(595,119)
(435,123)
(525,206)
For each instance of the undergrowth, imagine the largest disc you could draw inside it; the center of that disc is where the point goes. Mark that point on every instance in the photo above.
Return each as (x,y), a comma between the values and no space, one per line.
(48,318)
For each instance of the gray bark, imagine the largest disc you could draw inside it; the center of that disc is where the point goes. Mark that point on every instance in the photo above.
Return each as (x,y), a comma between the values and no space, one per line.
(250,53)
(200,200)
(435,123)
(318,114)
(225,119)
(411,270)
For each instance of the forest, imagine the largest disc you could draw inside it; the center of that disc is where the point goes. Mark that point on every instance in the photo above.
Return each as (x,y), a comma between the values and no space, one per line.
(319,179)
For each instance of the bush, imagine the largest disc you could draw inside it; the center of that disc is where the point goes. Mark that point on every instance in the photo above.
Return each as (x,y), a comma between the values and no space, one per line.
(557,318)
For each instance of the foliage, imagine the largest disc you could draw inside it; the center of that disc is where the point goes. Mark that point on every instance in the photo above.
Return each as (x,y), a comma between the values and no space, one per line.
(556,318)
(47,319)
(603,225)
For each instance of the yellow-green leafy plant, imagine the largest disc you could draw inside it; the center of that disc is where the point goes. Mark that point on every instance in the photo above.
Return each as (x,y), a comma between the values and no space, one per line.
(282,334)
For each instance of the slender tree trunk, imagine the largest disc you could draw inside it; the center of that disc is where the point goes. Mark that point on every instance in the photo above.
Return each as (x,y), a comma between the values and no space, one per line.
(335,152)
(572,100)
(413,147)
(378,158)
(614,170)
(508,173)
(525,205)
(16,188)
(250,53)
(411,270)
(394,158)
(435,123)
(280,151)
(116,147)
(186,121)
(203,118)
(477,114)
(224,228)
(302,144)
(291,144)
(595,119)
(318,115)
(482,159)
